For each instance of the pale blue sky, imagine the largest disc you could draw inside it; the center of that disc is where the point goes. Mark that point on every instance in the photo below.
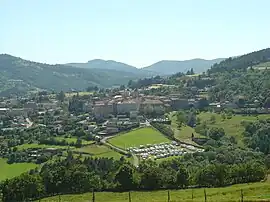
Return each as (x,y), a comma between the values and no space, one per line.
(137,32)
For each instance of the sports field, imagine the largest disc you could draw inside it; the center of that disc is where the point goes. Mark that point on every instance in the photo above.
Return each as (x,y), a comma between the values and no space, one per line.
(137,137)
(251,192)
(11,170)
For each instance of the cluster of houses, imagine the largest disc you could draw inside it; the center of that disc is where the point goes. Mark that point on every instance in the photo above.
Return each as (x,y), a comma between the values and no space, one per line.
(162,150)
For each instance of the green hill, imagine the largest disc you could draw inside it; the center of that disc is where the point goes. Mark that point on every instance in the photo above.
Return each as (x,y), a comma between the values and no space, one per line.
(242,62)
(167,67)
(18,75)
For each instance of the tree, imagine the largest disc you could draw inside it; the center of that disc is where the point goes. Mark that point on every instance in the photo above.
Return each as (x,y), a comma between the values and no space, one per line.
(191,119)
(191,71)
(213,119)
(125,177)
(181,118)
(182,177)
(24,188)
(122,87)
(78,143)
(216,133)
(61,96)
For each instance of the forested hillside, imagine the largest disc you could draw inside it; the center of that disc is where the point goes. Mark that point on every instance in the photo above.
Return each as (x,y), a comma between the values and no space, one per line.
(18,75)
(242,62)
(239,78)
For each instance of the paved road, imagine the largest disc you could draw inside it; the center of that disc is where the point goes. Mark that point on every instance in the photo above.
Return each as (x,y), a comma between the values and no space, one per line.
(29,123)
(135,158)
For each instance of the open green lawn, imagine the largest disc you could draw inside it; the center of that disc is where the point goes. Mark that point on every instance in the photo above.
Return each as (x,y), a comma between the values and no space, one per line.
(99,151)
(35,145)
(138,137)
(11,170)
(73,140)
(80,94)
(231,126)
(251,192)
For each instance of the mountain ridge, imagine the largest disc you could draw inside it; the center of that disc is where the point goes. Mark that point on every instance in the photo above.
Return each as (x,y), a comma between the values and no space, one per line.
(162,67)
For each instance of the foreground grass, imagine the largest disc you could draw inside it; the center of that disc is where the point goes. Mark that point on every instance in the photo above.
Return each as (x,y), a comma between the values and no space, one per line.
(138,137)
(35,145)
(251,192)
(233,126)
(11,170)
(100,151)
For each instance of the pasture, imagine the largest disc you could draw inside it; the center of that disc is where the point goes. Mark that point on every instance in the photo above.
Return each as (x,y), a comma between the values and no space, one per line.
(184,133)
(8,171)
(137,137)
(232,126)
(99,151)
(73,140)
(35,145)
(251,192)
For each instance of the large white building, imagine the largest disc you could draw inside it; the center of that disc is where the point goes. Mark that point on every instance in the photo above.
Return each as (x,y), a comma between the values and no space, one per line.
(103,110)
(127,106)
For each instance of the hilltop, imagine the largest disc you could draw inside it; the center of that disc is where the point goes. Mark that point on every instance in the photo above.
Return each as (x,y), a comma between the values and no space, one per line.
(19,75)
(167,67)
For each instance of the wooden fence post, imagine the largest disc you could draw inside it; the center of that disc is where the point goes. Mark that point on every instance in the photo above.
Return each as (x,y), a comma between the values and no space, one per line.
(93,196)
(129,197)
(205,199)
(169,197)
(242,196)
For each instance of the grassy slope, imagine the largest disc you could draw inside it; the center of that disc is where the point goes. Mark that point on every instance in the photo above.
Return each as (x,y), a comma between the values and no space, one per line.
(100,151)
(12,170)
(252,192)
(138,137)
(231,126)
(262,66)
(73,140)
(184,134)
(34,145)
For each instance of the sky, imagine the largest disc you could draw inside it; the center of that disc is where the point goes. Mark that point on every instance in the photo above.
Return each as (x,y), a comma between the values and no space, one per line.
(136,32)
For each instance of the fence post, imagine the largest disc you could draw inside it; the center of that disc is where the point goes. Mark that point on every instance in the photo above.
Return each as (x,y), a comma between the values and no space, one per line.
(169,197)
(129,197)
(205,199)
(93,196)
(242,196)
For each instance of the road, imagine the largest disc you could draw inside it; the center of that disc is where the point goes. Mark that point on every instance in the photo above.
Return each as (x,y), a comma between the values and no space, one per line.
(104,141)
(29,123)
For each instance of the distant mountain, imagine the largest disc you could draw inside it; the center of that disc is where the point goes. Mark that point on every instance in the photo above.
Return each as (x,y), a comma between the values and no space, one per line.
(18,75)
(167,67)
(112,65)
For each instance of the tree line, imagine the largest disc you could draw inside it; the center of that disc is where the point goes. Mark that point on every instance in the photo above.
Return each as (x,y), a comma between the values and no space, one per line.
(213,168)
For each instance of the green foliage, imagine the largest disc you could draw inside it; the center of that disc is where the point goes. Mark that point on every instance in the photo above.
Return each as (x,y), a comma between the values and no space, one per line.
(257,135)
(223,166)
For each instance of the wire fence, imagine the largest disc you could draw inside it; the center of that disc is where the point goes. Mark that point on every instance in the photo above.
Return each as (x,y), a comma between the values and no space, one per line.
(169,198)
